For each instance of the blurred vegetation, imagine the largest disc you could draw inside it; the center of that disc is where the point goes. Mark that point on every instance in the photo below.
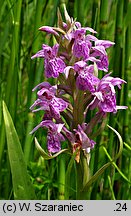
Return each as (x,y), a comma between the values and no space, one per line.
(19,40)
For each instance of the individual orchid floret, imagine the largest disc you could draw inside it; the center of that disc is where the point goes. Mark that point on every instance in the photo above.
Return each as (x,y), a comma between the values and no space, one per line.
(99,52)
(105,95)
(85,80)
(54,136)
(79,140)
(49,102)
(53,64)
(81,49)
(81,46)
(81,137)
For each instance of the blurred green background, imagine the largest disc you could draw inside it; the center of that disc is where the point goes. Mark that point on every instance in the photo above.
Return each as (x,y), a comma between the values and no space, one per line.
(19,40)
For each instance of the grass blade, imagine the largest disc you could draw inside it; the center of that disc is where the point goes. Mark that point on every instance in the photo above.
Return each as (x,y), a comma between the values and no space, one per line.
(21,182)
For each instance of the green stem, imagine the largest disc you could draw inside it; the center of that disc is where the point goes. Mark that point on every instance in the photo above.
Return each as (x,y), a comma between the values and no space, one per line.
(61,180)
(83,175)
(95,168)
(78,108)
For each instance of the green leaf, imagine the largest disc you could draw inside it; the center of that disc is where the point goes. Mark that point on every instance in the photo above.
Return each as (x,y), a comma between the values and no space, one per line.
(44,154)
(120,141)
(95,176)
(117,155)
(22,186)
(114,164)
(127,146)
(105,166)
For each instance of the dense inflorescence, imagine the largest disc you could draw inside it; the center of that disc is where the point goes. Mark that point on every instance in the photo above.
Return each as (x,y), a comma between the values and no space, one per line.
(74,62)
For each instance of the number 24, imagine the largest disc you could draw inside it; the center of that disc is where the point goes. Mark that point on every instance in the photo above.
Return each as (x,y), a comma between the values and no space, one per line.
(121,207)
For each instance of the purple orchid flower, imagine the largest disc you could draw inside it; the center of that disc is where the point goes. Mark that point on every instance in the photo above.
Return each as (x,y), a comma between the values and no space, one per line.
(81,46)
(81,49)
(99,51)
(54,136)
(105,95)
(79,137)
(53,64)
(85,80)
(48,101)
(82,137)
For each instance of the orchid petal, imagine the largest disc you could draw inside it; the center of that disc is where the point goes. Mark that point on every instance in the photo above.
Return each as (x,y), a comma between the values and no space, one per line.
(49,30)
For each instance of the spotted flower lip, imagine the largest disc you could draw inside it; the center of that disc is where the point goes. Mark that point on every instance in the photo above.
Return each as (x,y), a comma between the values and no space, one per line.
(81,49)
(54,136)
(85,80)
(82,44)
(53,67)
